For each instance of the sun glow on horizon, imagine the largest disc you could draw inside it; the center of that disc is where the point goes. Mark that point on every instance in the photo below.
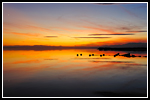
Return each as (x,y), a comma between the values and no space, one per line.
(72,24)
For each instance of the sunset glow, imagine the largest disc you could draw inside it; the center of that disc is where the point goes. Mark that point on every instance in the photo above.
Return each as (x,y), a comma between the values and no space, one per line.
(74,24)
(74,49)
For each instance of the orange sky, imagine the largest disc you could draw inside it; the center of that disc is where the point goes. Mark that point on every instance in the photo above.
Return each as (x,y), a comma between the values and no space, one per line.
(72,24)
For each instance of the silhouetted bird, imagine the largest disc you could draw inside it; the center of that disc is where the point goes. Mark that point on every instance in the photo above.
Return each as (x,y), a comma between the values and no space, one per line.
(103,54)
(100,55)
(77,55)
(144,56)
(89,54)
(92,54)
(80,54)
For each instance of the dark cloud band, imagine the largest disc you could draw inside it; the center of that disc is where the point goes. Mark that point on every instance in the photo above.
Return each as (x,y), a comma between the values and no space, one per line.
(91,37)
(113,34)
(136,31)
(50,36)
(110,3)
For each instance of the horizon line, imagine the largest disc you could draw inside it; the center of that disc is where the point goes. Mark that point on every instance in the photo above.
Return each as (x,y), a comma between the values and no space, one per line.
(73,45)
(104,46)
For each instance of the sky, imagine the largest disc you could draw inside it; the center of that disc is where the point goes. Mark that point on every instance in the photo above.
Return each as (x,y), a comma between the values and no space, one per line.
(74,24)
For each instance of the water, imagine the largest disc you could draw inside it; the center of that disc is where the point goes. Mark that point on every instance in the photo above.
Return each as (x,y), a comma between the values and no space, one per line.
(61,73)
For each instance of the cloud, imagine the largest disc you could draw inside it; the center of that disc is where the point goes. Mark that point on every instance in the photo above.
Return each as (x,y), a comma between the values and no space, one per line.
(127,11)
(131,44)
(92,37)
(51,36)
(136,31)
(113,34)
(111,3)
(14,26)
(112,27)
(113,61)
(98,29)
(26,34)
(143,6)
(119,41)
(106,3)
(38,28)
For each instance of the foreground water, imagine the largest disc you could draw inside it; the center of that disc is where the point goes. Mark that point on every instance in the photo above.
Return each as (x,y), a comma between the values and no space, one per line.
(61,73)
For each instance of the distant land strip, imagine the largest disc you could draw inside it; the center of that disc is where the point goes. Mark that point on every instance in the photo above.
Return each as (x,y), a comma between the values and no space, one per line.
(41,47)
(122,49)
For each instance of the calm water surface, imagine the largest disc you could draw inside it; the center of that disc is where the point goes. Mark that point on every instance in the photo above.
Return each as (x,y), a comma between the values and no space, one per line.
(60,73)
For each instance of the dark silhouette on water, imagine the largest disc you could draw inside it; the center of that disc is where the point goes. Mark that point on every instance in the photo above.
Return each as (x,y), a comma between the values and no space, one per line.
(126,55)
(122,49)
(116,54)
(78,54)
(133,56)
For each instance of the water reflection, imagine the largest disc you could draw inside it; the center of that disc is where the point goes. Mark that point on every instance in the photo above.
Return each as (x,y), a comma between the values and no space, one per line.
(54,73)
